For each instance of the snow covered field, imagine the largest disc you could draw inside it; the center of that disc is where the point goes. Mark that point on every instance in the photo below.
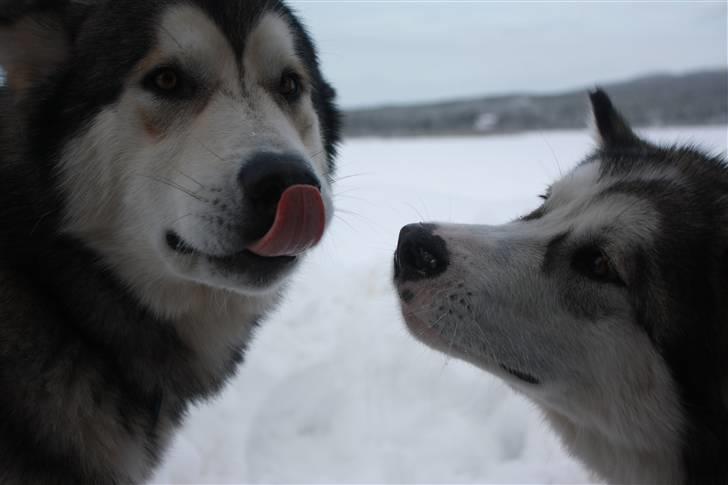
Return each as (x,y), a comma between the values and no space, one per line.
(333,388)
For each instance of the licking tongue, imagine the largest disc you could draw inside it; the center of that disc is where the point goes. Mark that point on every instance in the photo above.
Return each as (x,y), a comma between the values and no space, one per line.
(298,224)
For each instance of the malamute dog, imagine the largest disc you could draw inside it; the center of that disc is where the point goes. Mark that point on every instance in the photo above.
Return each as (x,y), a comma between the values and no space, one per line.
(607,306)
(164,164)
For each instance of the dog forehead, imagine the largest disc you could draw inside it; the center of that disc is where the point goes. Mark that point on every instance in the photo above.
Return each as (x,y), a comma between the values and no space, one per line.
(594,202)
(270,44)
(191,25)
(583,181)
(237,18)
(130,23)
(187,29)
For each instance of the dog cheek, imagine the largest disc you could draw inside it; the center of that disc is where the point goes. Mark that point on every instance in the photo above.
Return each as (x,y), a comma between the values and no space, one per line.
(307,125)
(152,126)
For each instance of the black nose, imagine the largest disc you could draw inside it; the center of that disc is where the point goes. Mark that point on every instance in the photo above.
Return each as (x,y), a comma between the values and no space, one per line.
(420,254)
(264,178)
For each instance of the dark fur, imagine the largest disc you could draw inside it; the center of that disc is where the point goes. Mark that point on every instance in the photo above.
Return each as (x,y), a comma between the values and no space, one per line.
(679,286)
(687,266)
(670,284)
(68,327)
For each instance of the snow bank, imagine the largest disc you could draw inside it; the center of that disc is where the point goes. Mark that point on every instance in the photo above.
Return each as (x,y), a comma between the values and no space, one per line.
(333,388)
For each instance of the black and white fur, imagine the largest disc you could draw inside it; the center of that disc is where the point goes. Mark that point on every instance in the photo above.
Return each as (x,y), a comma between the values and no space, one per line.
(125,290)
(607,306)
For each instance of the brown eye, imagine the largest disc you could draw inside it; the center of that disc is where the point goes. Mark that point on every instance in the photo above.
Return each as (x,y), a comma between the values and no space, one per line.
(595,264)
(166,80)
(601,266)
(170,83)
(290,86)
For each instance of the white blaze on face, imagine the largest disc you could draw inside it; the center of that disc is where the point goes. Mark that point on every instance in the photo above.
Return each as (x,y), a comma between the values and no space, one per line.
(581,202)
(146,165)
(579,184)
(269,51)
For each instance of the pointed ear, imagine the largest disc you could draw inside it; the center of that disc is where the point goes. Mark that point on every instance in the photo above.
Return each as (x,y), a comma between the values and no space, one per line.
(610,128)
(34,41)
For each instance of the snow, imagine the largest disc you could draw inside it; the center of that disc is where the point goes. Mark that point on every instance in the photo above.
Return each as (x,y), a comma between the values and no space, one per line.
(334,389)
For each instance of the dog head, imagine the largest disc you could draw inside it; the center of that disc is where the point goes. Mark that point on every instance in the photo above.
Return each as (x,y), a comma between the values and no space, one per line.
(187,140)
(606,305)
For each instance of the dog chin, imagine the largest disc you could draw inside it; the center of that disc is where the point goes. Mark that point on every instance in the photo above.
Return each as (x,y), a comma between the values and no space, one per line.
(243,272)
(432,337)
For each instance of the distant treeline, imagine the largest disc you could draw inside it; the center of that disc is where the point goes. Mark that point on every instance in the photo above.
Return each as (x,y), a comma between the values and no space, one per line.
(692,99)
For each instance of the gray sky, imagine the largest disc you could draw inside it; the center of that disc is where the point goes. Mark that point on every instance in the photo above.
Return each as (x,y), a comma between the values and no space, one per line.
(381,52)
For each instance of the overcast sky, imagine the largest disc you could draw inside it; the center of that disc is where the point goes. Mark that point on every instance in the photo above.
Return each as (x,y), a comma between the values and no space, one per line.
(381,52)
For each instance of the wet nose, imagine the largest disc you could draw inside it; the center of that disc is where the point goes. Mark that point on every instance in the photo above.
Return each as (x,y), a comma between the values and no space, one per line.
(267,175)
(264,178)
(420,254)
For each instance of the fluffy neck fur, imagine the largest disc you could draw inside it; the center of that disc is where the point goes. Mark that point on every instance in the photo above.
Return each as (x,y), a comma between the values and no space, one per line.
(622,461)
(96,381)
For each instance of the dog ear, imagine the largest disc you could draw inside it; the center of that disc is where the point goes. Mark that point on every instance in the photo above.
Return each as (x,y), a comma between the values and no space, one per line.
(35,38)
(610,128)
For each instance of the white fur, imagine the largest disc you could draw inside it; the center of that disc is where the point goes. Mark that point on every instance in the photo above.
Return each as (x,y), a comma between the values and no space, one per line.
(603,386)
(126,186)
(144,166)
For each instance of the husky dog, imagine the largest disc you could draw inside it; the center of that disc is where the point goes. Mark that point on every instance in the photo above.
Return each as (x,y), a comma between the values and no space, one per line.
(607,306)
(164,165)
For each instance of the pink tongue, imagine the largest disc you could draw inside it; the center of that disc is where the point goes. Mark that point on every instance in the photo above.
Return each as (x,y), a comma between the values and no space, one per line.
(298,225)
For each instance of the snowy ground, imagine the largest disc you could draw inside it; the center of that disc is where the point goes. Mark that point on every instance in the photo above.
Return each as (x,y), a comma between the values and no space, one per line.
(333,388)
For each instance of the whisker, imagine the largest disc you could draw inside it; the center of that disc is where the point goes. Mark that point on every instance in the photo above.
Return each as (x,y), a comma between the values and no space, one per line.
(200,184)
(451,342)
(174,221)
(419,214)
(210,150)
(353,175)
(366,219)
(553,153)
(172,184)
(338,217)
(430,305)
(347,193)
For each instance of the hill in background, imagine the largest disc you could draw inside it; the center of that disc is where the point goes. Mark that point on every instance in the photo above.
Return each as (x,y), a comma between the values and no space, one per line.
(699,98)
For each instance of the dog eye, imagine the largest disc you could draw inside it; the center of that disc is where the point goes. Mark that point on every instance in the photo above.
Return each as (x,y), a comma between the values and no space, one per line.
(600,266)
(168,82)
(290,86)
(595,264)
